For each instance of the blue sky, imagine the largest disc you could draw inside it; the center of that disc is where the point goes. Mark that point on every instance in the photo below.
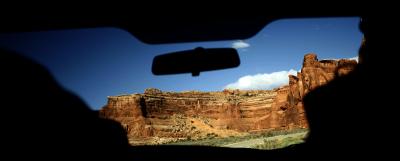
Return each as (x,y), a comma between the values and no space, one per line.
(100,62)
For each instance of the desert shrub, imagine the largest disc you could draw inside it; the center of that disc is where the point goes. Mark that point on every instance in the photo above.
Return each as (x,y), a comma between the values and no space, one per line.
(280,143)
(268,144)
(212,135)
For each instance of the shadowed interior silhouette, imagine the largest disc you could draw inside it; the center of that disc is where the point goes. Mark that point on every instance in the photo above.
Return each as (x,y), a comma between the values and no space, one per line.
(39,117)
(36,110)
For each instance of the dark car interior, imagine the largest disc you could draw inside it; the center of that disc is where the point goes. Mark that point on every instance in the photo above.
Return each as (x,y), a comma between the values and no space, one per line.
(31,126)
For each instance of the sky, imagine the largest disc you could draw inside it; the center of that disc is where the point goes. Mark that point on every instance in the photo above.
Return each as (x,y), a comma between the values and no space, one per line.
(98,62)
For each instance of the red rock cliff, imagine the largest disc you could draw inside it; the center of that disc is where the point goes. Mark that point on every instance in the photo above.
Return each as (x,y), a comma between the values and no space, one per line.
(193,114)
(313,74)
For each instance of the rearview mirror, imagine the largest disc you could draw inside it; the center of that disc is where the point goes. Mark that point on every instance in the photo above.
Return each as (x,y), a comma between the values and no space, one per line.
(195,61)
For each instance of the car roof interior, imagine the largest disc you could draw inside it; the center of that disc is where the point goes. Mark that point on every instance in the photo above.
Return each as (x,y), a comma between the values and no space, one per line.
(158,28)
(177,28)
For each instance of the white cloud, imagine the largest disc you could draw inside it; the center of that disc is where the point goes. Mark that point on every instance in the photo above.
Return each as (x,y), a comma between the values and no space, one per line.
(262,81)
(240,44)
(353,58)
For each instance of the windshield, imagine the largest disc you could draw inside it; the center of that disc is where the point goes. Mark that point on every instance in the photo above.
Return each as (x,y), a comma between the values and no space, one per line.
(248,106)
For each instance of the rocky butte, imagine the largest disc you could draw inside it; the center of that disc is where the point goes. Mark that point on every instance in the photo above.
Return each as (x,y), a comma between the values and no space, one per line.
(156,117)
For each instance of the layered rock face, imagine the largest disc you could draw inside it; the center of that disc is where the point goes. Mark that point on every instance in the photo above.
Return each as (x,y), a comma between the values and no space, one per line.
(313,74)
(194,114)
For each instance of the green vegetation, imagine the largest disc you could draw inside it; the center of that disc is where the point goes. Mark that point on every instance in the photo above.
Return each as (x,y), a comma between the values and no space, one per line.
(271,139)
(280,142)
(282,132)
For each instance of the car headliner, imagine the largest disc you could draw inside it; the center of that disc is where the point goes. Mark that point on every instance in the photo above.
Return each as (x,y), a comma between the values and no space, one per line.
(156,28)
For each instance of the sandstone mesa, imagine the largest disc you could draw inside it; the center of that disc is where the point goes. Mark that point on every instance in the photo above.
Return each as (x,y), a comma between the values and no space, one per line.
(156,117)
